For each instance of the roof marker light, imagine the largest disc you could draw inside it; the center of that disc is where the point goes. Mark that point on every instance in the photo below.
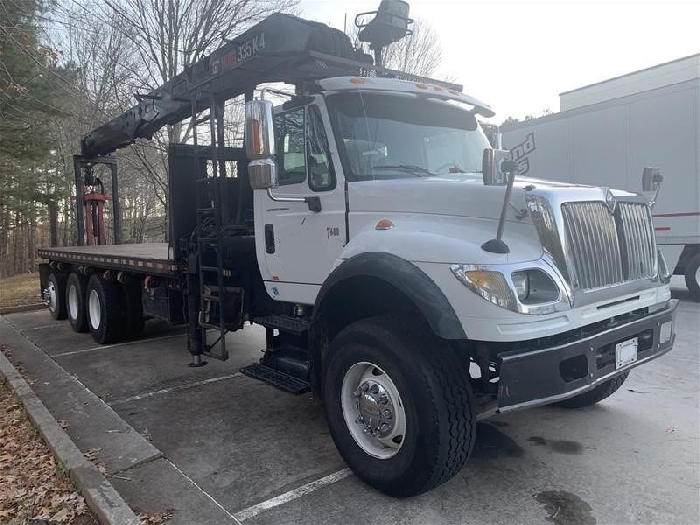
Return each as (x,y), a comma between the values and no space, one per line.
(421,86)
(357,80)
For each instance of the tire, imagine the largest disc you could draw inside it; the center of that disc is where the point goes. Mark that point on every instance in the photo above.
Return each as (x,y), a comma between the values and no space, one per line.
(106,310)
(692,276)
(57,295)
(134,311)
(75,302)
(430,389)
(596,395)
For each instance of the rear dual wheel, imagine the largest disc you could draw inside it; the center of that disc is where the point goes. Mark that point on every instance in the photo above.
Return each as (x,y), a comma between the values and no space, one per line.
(106,311)
(56,288)
(75,301)
(134,308)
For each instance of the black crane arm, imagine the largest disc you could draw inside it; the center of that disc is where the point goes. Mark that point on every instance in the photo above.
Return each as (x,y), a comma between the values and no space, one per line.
(278,49)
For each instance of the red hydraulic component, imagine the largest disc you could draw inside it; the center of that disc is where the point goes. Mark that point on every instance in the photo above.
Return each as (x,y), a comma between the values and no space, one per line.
(90,201)
(94,206)
(95,215)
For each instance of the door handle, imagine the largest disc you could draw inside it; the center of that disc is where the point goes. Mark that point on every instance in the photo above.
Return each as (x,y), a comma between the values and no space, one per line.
(269,238)
(314,203)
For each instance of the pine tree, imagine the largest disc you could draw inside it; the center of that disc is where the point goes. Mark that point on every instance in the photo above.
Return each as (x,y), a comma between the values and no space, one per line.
(28,102)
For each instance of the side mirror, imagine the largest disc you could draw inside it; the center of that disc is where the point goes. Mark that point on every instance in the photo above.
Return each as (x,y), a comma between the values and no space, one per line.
(262,174)
(651,181)
(259,129)
(497,166)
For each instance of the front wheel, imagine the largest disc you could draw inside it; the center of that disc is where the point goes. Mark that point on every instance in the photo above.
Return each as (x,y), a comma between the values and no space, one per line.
(692,276)
(596,395)
(399,405)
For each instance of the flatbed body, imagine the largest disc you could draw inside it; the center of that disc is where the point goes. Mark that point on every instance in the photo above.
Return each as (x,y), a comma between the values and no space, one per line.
(151,258)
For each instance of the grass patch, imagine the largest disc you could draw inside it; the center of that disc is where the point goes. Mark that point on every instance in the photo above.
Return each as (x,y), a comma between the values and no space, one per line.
(19,290)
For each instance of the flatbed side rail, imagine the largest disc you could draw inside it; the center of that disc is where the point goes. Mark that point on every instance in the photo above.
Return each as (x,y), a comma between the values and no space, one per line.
(112,262)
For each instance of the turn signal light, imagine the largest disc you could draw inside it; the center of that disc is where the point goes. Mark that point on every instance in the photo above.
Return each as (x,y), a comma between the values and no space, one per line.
(384,224)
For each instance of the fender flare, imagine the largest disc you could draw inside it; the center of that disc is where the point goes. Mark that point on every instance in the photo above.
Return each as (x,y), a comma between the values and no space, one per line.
(405,277)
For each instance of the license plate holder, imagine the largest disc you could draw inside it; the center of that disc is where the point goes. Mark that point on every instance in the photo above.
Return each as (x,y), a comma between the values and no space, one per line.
(626,352)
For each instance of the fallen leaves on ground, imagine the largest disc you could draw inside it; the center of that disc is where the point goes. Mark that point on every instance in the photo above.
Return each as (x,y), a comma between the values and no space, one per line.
(92,456)
(32,485)
(155,518)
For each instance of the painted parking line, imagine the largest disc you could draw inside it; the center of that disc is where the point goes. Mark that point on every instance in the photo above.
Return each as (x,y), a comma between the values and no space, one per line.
(172,389)
(127,343)
(206,494)
(291,495)
(40,327)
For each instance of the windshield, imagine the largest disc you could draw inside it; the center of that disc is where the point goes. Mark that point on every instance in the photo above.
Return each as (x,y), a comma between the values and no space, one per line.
(390,135)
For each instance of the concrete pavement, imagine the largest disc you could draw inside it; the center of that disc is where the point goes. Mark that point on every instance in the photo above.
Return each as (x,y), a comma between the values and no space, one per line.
(227,448)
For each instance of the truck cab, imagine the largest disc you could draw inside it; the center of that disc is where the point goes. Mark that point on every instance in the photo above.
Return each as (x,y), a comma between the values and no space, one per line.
(398,236)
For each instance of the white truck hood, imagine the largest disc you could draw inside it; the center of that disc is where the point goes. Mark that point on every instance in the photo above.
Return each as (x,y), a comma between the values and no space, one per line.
(460,195)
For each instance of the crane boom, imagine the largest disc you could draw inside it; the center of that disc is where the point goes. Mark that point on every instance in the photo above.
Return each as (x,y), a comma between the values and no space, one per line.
(270,51)
(281,48)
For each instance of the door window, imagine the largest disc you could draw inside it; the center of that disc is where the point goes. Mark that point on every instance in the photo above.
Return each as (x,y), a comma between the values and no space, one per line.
(289,136)
(302,147)
(321,176)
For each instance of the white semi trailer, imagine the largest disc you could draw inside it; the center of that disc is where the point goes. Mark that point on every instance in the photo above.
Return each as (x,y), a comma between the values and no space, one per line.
(608,132)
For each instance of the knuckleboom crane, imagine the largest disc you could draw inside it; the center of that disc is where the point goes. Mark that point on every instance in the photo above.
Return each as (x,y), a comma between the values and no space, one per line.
(280,49)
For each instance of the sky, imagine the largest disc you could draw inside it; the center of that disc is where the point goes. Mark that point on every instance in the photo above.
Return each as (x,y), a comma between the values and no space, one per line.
(518,56)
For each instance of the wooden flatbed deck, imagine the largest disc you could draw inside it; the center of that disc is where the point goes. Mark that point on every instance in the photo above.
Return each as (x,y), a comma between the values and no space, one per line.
(144,258)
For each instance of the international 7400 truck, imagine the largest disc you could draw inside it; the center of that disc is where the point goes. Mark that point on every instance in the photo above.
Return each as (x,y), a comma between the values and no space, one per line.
(402,272)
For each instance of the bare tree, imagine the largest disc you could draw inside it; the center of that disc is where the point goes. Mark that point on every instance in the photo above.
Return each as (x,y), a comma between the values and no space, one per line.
(173,34)
(122,47)
(419,53)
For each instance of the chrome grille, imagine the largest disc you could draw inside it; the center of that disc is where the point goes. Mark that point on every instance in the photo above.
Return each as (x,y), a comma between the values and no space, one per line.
(592,236)
(608,249)
(637,241)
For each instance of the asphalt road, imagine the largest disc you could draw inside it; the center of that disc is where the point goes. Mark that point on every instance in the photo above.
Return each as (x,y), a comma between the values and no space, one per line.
(260,456)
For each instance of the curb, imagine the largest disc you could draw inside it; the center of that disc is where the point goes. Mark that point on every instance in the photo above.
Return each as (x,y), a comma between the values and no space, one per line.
(21,308)
(99,494)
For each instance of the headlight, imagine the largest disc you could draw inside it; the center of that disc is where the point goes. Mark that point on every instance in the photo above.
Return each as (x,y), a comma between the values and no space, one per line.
(492,286)
(531,291)
(535,287)
(521,281)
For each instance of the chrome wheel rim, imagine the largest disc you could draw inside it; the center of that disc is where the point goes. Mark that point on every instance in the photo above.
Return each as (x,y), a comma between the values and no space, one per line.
(94,309)
(373,410)
(697,275)
(73,302)
(52,296)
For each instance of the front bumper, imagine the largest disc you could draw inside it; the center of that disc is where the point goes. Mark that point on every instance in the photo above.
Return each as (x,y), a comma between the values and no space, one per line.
(543,376)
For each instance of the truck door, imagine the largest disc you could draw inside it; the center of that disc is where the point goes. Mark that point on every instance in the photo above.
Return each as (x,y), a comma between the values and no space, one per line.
(298,245)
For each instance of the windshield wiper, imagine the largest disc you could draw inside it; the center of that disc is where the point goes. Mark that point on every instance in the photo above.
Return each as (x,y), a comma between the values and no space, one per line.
(458,169)
(409,168)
